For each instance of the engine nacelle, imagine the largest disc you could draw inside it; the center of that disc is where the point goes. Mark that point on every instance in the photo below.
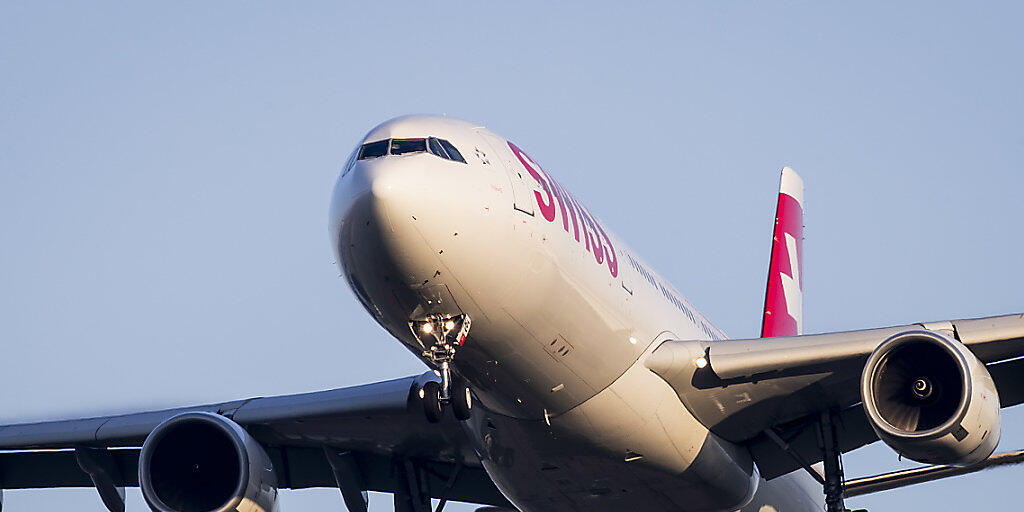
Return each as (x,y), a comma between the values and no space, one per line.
(204,462)
(930,399)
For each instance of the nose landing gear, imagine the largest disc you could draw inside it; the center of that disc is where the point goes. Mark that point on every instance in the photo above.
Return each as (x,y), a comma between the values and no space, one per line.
(434,401)
(444,335)
(461,400)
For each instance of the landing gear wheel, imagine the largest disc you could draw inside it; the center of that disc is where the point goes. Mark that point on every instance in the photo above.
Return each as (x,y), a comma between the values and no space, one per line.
(432,406)
(462,401)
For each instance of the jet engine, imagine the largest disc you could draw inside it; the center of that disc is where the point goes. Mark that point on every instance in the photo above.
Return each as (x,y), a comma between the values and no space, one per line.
(930,399)
(204,462)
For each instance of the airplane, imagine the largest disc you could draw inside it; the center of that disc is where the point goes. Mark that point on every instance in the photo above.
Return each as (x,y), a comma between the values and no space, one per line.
(564,373)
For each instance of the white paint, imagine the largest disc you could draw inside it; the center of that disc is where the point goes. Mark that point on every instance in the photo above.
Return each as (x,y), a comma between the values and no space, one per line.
(792,185)
(792,288)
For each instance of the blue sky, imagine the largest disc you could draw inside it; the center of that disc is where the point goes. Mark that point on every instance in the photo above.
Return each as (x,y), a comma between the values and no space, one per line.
(165,172)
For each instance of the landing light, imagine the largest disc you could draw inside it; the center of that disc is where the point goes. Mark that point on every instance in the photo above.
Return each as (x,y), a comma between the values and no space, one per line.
(427,328)
(449,325)
(632,340)
(700,362)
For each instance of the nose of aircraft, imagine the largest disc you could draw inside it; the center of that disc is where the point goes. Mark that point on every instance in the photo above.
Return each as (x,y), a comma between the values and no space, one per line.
(389,221)
(372,186)
(361,231)
(387,203)
(395,182)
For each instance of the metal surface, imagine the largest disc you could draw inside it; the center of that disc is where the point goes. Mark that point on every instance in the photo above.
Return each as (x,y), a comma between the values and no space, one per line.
(349,479)
(740,409)
(750,385)
(105,474)
(966,433)
(248,483)
(374,421)
(897,479)
(803,438)
(833,465)
(991,339)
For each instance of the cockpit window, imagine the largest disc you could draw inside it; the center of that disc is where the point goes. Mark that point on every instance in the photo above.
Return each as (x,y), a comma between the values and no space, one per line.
(434,145)
(351,161)
(435,148)
(374,149)
(406,146)
(452,152)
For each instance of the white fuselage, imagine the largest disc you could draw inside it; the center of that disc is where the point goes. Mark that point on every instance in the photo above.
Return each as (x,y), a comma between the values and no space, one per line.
(563,313)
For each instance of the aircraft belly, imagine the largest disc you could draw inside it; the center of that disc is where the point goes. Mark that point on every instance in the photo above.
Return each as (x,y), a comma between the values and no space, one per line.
(541,471)
(545,469)
(632,445)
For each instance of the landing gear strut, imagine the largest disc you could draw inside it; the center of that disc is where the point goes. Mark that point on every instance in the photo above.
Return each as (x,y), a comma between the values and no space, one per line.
(443,336)
(833,484)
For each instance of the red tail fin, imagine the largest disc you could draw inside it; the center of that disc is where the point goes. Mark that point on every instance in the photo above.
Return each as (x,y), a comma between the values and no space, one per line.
(783,301)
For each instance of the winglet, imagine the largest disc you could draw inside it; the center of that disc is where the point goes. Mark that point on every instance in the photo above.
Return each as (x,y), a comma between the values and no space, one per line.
(783,301)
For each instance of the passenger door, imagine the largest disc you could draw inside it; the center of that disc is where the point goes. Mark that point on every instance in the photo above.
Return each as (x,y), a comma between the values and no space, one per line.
(522,189)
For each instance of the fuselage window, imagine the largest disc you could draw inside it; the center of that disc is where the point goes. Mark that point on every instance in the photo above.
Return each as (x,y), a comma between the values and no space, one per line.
(452,152)
(437,149)
(406,146)
(374,149)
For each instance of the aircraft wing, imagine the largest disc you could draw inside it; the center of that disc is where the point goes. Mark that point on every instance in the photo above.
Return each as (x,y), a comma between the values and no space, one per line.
(770,393)
(380,427)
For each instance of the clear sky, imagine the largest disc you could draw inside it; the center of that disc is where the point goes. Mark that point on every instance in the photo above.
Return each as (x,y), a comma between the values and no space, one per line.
(165,171)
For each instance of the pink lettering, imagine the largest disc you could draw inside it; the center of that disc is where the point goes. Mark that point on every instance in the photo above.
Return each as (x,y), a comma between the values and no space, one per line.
(593,236)
(547,208)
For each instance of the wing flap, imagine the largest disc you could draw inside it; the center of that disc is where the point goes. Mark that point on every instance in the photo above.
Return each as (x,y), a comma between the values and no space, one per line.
(34,470)
(299,468)
(1009,379)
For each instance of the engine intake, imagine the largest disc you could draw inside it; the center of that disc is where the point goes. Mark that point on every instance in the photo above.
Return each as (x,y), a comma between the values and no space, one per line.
(930,399)
(204,462)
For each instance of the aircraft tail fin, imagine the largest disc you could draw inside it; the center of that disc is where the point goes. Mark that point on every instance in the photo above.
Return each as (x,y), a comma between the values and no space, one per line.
(783,300)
